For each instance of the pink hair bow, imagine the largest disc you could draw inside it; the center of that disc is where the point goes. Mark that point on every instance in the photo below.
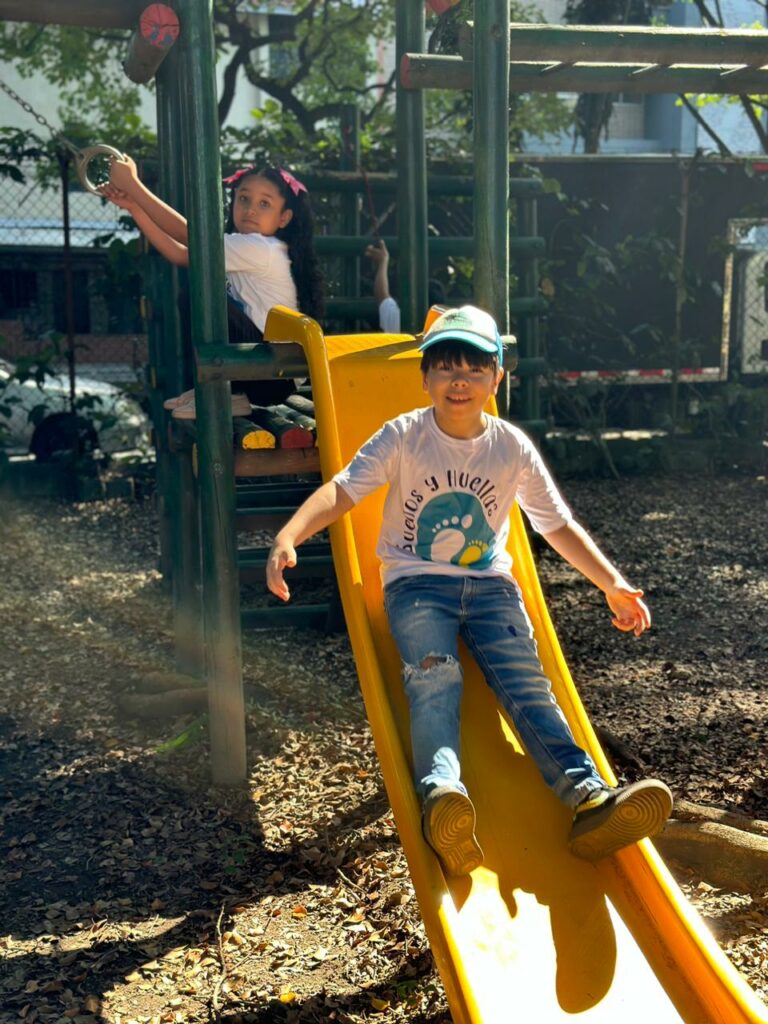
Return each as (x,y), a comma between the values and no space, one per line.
(234,178)
(293,183)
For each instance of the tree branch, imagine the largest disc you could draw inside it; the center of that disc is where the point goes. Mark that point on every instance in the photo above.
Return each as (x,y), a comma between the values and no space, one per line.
(229,83)
(386,92)
(746,103)
(724,150)
(707,16)
(284,95)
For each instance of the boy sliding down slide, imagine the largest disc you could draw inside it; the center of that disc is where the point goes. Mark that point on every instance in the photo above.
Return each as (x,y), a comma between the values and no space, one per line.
(454,472)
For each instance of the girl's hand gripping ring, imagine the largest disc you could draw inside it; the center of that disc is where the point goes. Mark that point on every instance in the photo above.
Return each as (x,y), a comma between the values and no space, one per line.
(83,159)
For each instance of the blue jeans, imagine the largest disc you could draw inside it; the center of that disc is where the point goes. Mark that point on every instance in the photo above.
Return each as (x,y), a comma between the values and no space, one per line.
(427,614)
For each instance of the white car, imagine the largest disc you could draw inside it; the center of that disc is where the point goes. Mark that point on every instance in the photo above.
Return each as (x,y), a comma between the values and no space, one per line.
(37,419)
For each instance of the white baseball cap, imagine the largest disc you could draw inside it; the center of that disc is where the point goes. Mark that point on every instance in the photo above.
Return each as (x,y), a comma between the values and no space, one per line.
(468,324)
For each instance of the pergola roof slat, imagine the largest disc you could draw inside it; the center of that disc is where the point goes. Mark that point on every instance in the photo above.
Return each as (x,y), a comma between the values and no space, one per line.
(83,13)
(639,44)
(423,71)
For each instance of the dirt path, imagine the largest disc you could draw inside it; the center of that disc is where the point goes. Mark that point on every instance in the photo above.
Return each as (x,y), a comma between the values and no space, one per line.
(135,892)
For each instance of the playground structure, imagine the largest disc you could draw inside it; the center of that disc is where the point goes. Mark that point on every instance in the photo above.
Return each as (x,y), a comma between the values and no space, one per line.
(534,932)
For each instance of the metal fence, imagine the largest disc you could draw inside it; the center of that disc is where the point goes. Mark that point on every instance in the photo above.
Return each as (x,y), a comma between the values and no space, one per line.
(67,282)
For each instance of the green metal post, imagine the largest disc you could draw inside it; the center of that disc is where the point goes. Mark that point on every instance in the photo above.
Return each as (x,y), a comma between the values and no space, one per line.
(413,266)
(152,303)
(491,155)
(221,594)
(350,202)
(529,328)
(178,498)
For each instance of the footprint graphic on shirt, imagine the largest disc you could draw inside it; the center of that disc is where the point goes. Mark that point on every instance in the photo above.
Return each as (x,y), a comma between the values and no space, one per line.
(453,528)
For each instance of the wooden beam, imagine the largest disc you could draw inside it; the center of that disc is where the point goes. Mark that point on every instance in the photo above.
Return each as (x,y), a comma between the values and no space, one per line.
(278,461)
(633,44)
(437,184)
(250,361)
(419,71)
(83,13)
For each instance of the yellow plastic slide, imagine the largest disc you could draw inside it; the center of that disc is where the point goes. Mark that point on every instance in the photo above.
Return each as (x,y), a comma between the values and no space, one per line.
(534,935)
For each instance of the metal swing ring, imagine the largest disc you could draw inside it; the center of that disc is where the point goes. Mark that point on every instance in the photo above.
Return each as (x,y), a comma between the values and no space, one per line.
(84,156)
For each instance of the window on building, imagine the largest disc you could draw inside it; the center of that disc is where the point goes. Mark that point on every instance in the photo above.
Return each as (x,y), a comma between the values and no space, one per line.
(627,117)
(18,291)
(80,302)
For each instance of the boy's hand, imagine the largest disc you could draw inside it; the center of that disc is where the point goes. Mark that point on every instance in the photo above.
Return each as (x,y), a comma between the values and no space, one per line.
(282,556)
(630,612)
(123,174)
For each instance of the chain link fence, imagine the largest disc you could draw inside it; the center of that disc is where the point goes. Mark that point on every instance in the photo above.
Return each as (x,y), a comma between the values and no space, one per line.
(77,294)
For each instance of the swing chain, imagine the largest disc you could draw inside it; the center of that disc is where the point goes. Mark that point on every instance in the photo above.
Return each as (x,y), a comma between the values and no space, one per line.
(82,156)
(39,118)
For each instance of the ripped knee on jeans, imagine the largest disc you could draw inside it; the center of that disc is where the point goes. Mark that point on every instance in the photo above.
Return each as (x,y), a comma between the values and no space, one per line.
(435,659)
(430,666)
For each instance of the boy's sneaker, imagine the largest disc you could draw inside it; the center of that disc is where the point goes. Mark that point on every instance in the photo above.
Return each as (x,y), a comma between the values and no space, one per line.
(448,823)
(187,411)
(614,818)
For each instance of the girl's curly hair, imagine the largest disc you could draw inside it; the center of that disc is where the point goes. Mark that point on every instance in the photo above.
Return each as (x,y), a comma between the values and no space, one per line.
(298,235)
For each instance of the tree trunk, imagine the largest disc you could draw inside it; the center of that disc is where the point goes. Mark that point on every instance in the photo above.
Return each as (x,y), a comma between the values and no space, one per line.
(725,857)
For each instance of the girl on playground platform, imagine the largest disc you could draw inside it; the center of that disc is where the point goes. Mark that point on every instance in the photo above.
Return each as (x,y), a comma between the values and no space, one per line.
(269,258)
(454,473)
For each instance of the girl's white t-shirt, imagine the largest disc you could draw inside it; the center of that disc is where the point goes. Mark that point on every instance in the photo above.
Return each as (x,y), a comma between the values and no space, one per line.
(447,509)
(259,274)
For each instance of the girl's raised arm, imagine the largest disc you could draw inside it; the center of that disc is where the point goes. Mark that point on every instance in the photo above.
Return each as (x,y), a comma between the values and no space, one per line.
(174,251)
(124,176)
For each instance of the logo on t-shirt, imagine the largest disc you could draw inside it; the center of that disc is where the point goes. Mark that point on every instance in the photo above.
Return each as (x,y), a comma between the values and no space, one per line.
(453,528)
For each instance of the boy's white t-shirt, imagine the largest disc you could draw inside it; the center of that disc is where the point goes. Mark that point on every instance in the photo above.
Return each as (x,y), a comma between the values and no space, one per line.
(447,509)
(259,274)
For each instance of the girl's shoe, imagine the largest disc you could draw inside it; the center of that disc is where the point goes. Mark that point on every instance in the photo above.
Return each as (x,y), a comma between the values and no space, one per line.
(614,818)
(448,823)
(240,407)
(182,399)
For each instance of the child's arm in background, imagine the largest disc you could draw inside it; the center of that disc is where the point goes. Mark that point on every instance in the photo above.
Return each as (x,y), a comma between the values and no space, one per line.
(123,175)
(173,250)
(379,254)
(325,506)
(630,614)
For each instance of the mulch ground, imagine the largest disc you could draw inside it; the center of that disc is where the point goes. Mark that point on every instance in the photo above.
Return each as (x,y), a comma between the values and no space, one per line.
(134,891)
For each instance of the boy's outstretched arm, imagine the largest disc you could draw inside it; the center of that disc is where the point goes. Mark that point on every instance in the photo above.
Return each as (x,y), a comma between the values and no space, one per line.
(322,508)
(123,175)
(630,613)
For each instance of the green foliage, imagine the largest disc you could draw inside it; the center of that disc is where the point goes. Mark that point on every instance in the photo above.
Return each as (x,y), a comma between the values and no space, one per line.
(192,733)
(734,409)
(326,60)
(96,100)
(39,368)
(588,279)
(449,113)
(120,282)
(19,147)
